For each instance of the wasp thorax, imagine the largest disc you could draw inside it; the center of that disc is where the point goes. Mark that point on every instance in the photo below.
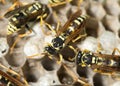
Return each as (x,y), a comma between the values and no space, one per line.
(50,50)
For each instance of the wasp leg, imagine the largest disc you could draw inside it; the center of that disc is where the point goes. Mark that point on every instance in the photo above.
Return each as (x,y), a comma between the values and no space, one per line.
(79,37)
(32,56)
(26,83)
(49,26)
(13,72)
(84,34)
(71,59)
(83,82)
(52,4)
(9,70)
(58,22)
(115,49)
(57,28)
(42,56)
(99,48)
(22,78)
(72,74)
(72,48)
(60,60)
(42,22)
(18,38)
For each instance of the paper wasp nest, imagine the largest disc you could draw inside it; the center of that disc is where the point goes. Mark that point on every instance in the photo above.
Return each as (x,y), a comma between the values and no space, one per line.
(103,27)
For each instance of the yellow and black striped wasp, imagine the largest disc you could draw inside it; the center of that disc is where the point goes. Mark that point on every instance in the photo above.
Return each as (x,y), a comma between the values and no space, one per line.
(19,18)
(101,63)
(70,32)
(7,80)
(9,77)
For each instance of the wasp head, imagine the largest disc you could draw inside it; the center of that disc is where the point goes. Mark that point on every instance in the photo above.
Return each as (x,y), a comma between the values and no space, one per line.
(84,59)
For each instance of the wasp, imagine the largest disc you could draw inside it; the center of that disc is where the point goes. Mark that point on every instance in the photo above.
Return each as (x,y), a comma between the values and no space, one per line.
(70,32)
(7,80)
(21,16)
(101,63)
(10,78)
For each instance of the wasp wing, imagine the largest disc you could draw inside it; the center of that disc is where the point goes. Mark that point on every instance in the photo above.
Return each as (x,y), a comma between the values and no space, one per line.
(12,12)
(78,31)
(65,27)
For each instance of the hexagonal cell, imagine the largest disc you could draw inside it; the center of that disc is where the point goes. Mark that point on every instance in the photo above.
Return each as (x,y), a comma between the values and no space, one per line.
(97,79)
(64,76)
